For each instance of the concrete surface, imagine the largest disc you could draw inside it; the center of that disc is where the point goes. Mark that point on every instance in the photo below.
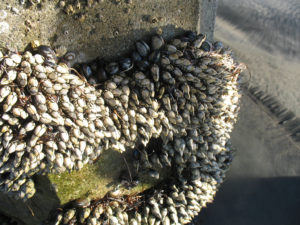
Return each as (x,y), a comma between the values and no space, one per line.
(207,17)
(263,184)
(109,27)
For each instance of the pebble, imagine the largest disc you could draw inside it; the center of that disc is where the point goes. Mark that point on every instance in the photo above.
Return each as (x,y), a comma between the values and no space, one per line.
(4,27)
(15,10)
(3,14)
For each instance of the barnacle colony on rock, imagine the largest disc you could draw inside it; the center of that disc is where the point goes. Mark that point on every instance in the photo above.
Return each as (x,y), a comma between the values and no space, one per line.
(184,92)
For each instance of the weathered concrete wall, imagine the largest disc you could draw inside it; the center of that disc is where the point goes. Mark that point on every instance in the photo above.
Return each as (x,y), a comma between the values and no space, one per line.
(207,12)
(108,29)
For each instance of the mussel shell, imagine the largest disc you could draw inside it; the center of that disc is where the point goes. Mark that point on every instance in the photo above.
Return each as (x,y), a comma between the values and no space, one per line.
(126,64)
(191,35)
(218,45)
(50,63)
(206,46)
(157,42)
(101,75)
(199,41)
(112,68)
(154,56)
(142,48)
(86,70)
(136,56)
(143,65)
(47,52)
(185,39)
(94,65)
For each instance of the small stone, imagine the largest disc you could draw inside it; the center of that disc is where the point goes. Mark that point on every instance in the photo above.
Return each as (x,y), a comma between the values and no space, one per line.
(15,10)
(62,4)
(4,27)
(3,14)
(34,2)
(116,33)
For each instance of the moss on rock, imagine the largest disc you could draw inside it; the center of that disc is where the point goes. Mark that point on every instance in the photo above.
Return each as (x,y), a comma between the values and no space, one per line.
(95,180)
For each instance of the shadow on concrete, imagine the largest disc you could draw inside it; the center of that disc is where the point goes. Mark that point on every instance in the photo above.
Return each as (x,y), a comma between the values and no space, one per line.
(259,201)
(34,210)
(271,25)
(114,48)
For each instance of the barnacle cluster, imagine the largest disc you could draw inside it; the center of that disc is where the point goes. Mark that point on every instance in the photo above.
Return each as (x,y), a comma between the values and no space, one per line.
(184,92)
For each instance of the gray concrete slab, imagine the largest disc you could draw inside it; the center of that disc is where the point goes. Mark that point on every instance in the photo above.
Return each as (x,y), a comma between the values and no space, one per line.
(107,28)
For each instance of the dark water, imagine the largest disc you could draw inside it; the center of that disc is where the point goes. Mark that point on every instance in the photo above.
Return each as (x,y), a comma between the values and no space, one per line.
(263,184)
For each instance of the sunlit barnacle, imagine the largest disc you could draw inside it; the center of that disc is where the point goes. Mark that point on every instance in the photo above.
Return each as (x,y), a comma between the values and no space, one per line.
(186,98)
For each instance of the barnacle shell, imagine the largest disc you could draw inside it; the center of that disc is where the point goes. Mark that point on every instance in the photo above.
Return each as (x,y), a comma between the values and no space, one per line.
(188,99)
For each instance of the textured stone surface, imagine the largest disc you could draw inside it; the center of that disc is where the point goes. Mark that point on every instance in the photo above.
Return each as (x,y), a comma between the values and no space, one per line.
(108,29)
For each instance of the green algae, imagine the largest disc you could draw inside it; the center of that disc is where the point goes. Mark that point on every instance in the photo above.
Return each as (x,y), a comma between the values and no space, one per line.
(95,180)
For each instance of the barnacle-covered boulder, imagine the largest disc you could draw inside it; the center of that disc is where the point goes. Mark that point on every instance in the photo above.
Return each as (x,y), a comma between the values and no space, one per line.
(182,94)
